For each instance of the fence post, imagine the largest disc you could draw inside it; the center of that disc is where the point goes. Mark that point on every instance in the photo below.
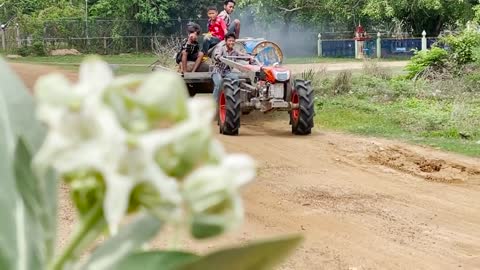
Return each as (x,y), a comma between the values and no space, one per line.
(379,45)
(105,44)
(424,41)
(319,45)
(151,43)
(19,39)
(136,38)
(4,45)
(356,48)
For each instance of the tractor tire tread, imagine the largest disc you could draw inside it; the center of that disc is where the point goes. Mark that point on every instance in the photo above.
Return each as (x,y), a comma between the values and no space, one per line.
(305,122)
(232,98)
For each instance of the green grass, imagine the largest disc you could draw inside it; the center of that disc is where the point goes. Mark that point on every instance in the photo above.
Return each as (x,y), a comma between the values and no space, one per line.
(123,59)
(411,120)
(124,64)
(147,59)
(315,59)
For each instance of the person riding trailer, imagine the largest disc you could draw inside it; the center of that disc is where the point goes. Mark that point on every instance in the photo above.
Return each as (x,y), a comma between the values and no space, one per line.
(190,49)
(216,30)
(222,70)
(232,26)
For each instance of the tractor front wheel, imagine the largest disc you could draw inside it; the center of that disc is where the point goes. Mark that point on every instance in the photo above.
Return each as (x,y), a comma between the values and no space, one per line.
(301,118)
(229,107)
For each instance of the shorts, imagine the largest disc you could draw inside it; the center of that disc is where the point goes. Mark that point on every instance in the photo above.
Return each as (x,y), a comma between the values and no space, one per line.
(190,57)
(231,27)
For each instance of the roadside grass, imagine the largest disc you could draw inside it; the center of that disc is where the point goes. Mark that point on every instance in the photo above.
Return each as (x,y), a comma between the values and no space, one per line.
(443,115)
(134,59)
(316,59)
(147,59)
(122,64)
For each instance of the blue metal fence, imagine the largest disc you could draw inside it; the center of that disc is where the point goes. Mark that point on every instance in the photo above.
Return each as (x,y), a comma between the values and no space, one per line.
(338,48)
(403,47)
(390,47)
(305,45)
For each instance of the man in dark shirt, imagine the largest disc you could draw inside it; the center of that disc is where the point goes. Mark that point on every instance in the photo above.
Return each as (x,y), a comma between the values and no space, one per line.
(190,51)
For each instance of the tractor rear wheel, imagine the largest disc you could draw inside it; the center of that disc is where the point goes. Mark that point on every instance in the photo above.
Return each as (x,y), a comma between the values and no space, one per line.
(229,107)
(301,119)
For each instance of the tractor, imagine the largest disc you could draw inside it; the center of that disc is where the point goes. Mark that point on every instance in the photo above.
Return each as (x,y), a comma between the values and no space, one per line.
(263,85)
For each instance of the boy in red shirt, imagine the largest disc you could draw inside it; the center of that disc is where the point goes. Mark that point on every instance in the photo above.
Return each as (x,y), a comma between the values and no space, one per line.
(216,28)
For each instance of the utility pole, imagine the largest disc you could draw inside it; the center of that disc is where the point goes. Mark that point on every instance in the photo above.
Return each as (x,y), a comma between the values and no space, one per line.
(86,21)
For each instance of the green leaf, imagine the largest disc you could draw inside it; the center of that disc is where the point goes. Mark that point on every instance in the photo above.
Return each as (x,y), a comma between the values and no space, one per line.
(20,110)
(259,255)
(128,239)
(166,260)
(203,230)
(21,241)
(27,187)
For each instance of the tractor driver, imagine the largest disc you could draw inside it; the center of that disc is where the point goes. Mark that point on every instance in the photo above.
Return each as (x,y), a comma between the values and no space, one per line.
(232,26)
(222,70)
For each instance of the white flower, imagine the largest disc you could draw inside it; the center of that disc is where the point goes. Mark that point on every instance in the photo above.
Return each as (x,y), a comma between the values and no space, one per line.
(164,96)
(136,166)
(212,194)
(146,141)
(185,146)
(85,135)
(143,103)
(82,130)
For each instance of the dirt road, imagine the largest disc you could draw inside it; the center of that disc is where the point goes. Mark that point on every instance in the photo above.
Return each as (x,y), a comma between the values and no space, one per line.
(361,203)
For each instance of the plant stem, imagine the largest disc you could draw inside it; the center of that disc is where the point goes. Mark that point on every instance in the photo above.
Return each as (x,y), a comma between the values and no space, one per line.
(90,222)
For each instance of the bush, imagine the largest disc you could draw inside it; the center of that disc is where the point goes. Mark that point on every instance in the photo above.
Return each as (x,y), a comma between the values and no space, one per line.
(38,49)
(461,47)
(342,83)
(434,59)
(24,51)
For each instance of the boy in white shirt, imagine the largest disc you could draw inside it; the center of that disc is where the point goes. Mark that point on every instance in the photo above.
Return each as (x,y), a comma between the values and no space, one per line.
(232,26)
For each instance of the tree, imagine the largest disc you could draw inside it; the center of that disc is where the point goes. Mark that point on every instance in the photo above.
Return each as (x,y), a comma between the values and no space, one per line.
(289,10)
(429,15)
(416,15)
(154,11)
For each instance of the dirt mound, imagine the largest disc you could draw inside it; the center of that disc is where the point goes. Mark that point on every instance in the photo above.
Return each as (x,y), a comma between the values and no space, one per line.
(431,169)
(63,52)
(13,56)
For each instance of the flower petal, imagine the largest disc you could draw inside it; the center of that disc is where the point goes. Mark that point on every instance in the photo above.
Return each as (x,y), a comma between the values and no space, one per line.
(117,198)
(241,168)
(53,89)
(201,111)
(95,75)
(164,96)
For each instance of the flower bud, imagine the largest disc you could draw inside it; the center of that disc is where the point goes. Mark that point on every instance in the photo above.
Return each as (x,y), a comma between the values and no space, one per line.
(212,195)
(164,96)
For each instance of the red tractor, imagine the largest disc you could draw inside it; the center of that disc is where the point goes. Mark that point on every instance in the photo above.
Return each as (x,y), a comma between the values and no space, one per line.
(265,86)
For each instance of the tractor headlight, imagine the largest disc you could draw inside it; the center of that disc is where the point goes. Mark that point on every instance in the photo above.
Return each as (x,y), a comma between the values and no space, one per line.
(281,76)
